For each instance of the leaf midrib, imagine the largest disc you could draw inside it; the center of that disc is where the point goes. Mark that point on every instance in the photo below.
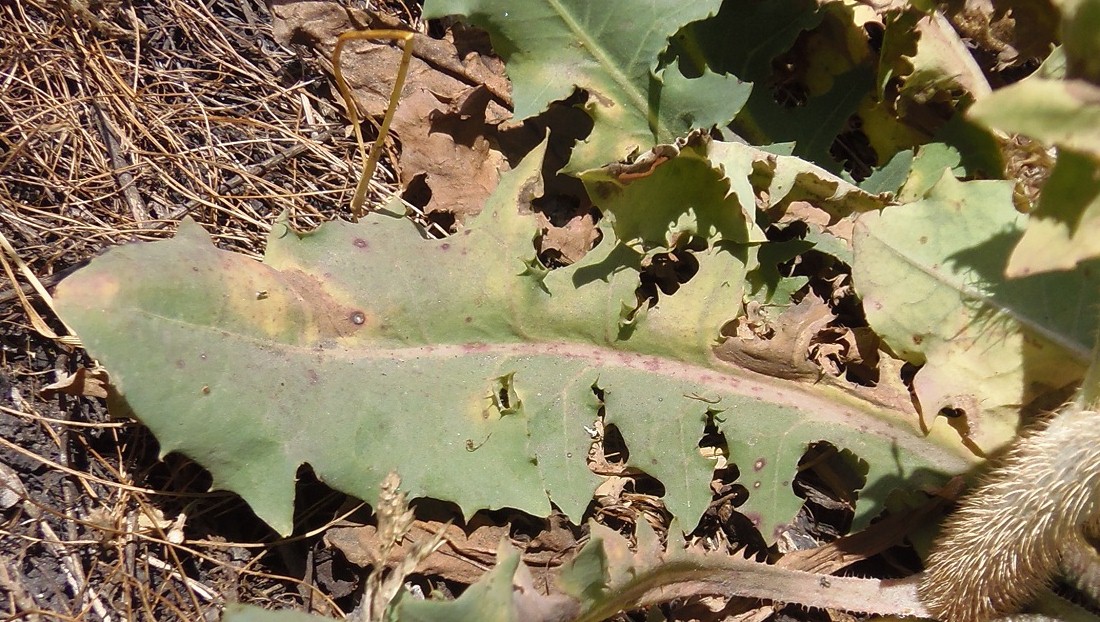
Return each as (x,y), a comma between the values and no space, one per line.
(640,101)
(729,379)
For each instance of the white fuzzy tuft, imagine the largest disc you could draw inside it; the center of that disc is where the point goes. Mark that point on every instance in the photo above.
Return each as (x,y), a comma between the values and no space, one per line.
(1004,543)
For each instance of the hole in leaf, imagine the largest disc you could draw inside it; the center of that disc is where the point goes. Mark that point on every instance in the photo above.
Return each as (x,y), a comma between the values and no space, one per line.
(722,527)
(418,193)
(713,438)
(664,273)
(598,392)
(828,479)
(565,120)
(505,400)
(853,150)
(568,227)
(646,484)
(615,450)
(442,219)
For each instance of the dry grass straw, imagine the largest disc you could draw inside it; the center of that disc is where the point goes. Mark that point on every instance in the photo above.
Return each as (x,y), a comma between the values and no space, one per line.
(115,124)
(117,120)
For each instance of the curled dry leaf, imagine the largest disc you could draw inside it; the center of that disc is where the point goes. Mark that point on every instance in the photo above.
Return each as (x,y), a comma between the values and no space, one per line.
(1016,31)
(838,349)
(779,347)
(82,383)
(462,557)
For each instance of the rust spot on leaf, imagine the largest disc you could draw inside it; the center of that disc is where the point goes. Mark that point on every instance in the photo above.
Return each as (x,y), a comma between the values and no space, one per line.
(918,339)
(328,315)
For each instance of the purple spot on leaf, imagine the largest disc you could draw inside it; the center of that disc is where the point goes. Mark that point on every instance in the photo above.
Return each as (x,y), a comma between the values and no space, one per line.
(360,243)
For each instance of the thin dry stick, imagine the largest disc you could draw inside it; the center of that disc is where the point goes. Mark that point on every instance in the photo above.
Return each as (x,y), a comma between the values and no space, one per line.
(73,571)
(206,593)
(39,324)
(122,169)
(370,162)
(20,597)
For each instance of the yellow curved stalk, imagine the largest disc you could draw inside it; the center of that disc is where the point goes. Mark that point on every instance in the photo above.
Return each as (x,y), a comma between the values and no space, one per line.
(370,162)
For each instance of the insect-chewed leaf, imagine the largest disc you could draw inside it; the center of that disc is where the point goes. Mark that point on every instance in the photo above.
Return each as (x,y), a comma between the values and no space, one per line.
(363,348)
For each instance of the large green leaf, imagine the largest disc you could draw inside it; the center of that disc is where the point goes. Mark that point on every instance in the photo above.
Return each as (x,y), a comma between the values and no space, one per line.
(462,364)
(931,274)
(609,49)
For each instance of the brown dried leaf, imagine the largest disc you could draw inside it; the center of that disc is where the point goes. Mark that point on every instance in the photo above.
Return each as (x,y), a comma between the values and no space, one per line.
(838,349)
(1017,31)
(571,241)
(817,219)
(449,107)
(455,155)
(462,557)
(778,348)
(84,383)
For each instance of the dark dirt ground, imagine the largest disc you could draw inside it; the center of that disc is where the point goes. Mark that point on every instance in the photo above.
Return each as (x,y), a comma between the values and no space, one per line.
(231,128)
